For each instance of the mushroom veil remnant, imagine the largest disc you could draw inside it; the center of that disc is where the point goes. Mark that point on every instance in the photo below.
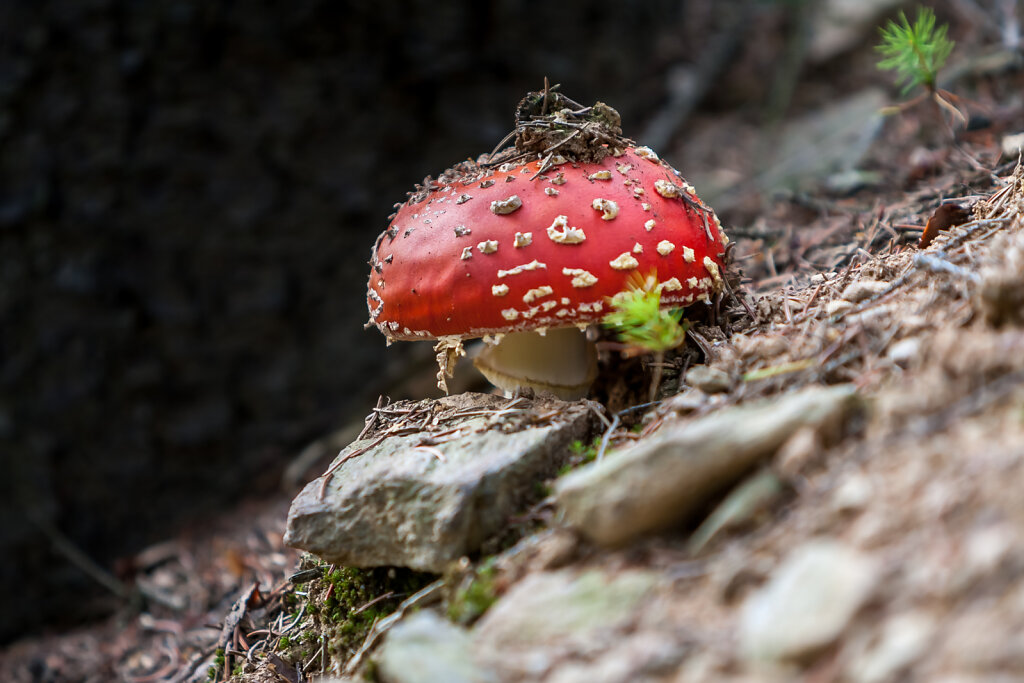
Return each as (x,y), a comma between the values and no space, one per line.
(529,246)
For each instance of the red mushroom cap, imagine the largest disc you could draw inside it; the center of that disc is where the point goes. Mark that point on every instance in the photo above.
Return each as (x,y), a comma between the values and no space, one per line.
(515,248)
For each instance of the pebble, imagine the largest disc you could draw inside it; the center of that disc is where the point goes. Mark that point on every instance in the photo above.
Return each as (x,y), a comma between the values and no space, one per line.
(1012,145)
(901,642)
(547,615)
(798,451)
(807,603)
(904,351)
(854,493)
(686,401)
(860,290)
(818,278)
(762,346)
(708,379)
(425,647)
(837,306)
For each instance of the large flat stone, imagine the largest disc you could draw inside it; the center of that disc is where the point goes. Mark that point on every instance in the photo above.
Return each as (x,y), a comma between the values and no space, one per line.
(400,504)
(664,479)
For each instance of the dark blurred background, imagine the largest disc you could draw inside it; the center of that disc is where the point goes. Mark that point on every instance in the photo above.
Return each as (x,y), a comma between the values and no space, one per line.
(189,190)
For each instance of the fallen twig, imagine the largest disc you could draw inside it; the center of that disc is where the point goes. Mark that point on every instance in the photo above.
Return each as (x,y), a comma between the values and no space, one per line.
(606,437)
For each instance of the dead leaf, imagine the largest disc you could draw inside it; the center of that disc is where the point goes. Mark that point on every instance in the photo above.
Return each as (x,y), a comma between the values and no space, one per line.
(946,216)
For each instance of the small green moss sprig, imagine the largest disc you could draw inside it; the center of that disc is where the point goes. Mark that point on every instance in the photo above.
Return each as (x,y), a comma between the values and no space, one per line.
(640,321)
(915,51)
(643,325)
(475,596)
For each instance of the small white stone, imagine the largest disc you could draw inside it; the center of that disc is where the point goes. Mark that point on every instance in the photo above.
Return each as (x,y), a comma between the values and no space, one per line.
(854,493)
(903,352)
(1012,145)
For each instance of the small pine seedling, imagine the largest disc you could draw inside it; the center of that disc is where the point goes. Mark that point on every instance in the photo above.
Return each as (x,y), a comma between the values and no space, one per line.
(641,323)
(915,51)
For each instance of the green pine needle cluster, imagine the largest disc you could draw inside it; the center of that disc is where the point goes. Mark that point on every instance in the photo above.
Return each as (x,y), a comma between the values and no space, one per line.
(915,51)
(640,321)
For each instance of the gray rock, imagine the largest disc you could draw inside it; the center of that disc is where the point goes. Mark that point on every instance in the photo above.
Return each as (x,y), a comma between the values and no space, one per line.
(661,481)
(839,25)
(562,604)
(550,614)
(708,379)
(902,640)
(423,502)
(829,140)
(643,657)
(808,602)
(425,648)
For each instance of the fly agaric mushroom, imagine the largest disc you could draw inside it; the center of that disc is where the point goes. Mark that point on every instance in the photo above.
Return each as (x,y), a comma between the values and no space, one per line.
(529,252)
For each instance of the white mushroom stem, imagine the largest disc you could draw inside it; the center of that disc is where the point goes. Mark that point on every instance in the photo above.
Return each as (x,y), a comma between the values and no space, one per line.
(561,362)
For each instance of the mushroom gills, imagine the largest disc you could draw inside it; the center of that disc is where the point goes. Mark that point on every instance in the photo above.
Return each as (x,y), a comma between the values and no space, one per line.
(562,362)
